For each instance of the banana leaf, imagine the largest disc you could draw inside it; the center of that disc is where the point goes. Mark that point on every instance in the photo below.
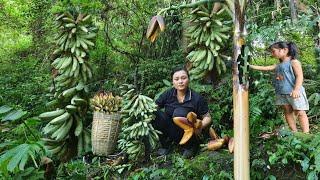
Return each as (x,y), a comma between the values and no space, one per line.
(14,115)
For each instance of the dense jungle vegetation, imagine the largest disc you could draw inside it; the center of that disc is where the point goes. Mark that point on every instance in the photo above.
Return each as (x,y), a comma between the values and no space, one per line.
(108,40)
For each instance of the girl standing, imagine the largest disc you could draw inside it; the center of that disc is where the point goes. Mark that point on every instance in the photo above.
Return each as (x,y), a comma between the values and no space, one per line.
(290,94)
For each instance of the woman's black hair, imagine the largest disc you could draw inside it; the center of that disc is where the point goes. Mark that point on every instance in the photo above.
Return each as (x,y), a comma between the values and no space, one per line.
(179,68)
(293,49)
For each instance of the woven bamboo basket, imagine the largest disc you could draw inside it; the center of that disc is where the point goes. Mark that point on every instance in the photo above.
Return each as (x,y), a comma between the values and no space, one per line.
(105,130)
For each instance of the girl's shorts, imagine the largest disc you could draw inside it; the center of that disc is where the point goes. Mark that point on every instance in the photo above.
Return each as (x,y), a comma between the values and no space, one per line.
(300,103)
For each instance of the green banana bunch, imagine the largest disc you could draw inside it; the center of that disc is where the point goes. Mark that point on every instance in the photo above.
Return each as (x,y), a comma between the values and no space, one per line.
(208,33)
(54,146)
(106,102)
(133,148)
(137,113)
(140,105)
(76,38)
(70,93)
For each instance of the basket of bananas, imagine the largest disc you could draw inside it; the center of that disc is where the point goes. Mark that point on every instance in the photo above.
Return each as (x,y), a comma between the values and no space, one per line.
(106,123)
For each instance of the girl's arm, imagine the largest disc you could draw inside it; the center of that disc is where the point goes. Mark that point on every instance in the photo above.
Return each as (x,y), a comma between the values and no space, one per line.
(297,69)
(263,68)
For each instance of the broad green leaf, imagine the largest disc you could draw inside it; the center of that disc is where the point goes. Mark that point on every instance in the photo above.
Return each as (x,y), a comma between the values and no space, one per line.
(14,115)
(27,171)
(166,82)
(272,177)
(5,109)
(23,162)
(19,153)
(7,155)
(312,176)
(5,144)
(317,161)
(305,164)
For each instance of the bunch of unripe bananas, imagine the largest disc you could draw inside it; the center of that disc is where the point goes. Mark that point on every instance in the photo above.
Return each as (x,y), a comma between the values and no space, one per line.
(106,102)
(208,33)
(73,43)
(137,114)
(70,93)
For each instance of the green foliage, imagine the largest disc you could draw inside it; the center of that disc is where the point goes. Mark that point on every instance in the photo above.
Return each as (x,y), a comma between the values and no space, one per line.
(86,6)
(297,148)
(22,82)
(220,105)
(75,169)
(314,101)
(16,158)
(19,155)
(283,30)
(205,166)
(13,42)
(264,116)
(14,11)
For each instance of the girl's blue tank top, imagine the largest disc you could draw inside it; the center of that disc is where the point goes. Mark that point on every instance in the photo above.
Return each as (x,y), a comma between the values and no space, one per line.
(285,79)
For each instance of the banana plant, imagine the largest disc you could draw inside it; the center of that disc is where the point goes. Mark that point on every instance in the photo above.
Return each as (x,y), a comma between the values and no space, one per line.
(65,132)
(137,136)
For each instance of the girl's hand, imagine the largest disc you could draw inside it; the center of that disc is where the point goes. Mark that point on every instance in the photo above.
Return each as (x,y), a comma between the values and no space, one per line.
(295,94)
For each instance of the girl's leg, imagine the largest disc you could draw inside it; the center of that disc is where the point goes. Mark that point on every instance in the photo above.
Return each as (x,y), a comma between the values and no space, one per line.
(303,119)
(288,114)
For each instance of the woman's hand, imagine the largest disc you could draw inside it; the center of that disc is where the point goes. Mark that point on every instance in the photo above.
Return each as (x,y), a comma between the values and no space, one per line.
(295,94)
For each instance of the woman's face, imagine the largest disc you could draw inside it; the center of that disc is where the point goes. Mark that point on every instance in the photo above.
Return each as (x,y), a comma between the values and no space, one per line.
(180,80)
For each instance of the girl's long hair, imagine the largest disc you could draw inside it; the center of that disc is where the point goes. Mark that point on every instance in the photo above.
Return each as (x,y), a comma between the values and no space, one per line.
(292,47)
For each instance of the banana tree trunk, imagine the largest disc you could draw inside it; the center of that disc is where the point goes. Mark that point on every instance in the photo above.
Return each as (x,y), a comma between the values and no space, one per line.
(240,98)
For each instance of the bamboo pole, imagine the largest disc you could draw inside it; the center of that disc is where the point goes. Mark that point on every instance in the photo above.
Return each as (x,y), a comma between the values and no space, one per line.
(240,98)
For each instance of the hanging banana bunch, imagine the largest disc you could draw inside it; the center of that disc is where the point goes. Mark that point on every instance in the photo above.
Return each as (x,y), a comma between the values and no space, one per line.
(137,114)
(208,33)
(65,130)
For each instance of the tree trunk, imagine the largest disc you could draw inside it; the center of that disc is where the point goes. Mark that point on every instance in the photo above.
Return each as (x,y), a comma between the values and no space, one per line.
(293,10)
(240,98)
(317,45)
